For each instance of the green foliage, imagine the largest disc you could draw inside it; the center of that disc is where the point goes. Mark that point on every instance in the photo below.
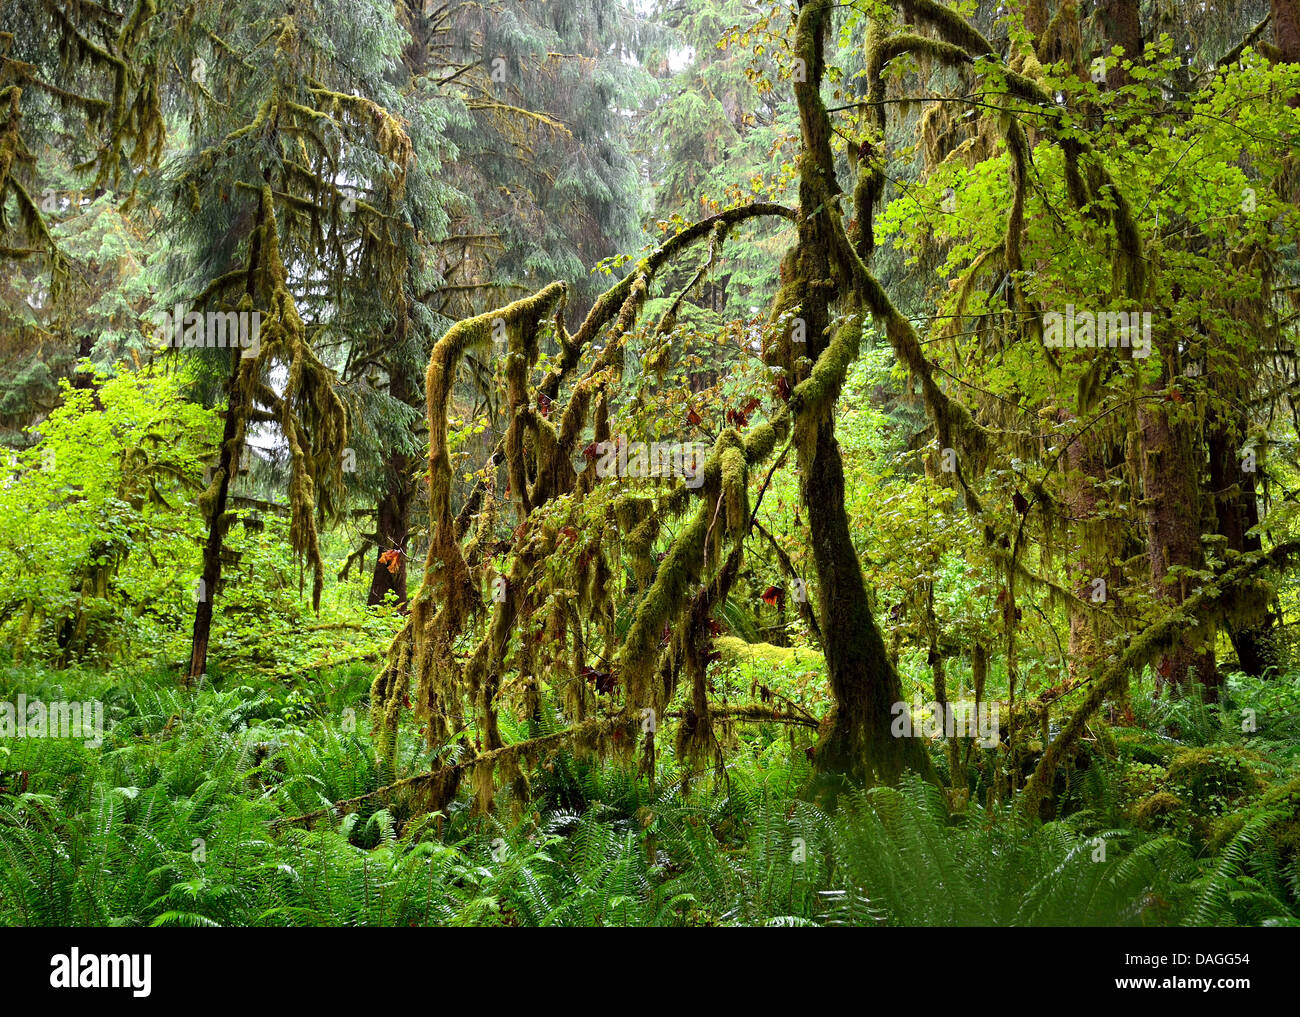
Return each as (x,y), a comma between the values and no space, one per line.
(97,532)
(178,820)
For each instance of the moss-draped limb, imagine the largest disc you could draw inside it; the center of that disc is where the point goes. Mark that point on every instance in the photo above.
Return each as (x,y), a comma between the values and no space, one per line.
(422,649)
(551,448)
(618,307)
(520,318)
(14,151)
(612,301)
(1194,618)
(726,478)
(521,355)
(101,49)
(9,138)
(586,737)
(535,450)
(538,450)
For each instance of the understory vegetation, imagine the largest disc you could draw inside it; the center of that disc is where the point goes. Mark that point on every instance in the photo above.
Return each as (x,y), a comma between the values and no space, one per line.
(186,815)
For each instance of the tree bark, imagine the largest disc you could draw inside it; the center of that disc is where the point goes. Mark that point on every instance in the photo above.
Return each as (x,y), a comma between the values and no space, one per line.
(393,512)
(227,465)
(1171,483)
(1286,30)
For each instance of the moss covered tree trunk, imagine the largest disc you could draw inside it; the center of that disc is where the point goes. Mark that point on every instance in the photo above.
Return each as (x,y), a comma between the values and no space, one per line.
(393,511)
(1169,445)
(1171,474)
(857,741)
(1093,549)
(1236,512)
(212,545)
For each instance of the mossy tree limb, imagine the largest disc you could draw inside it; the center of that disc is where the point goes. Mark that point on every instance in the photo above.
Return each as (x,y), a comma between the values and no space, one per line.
(856,742)
(1190,621)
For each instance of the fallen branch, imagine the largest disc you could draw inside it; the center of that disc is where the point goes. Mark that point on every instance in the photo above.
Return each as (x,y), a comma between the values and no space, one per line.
(530,747)
(1192,613)
(755,714)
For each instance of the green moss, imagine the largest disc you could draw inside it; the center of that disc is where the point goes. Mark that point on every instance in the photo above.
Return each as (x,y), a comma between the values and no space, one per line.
(951,25)
(1160,811)
(735,489)
(821,388)
(789,658)
(1139,747)
(1284,832)
(1214,779)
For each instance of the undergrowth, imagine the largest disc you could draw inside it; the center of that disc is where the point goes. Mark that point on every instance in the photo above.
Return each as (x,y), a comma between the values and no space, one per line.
(178,818)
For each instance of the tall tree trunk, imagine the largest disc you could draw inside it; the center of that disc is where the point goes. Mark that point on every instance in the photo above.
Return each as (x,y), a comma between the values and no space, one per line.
(1120,27)
(393,523)
(1236,512)
(217,524)
(392,528)
(1286,31)
(1171,474)
(857,741)
(1170,467)
(238,404)
(1093,548)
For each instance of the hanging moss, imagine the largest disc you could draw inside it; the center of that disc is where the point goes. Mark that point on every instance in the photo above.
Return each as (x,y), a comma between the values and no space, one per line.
(543,483)
(951,25)
(431,633)
(788,658)
(311,414)
(1172,627)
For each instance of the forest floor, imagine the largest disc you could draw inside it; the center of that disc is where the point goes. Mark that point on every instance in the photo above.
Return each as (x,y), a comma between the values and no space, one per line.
(185,815)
